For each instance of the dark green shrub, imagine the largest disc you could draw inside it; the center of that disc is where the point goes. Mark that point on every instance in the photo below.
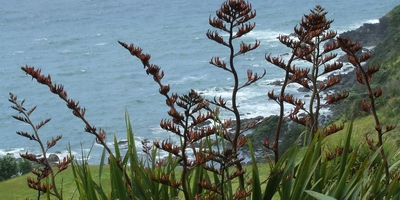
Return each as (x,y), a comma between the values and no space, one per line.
(8,167)
(24,166)
(266,130)
(290,137)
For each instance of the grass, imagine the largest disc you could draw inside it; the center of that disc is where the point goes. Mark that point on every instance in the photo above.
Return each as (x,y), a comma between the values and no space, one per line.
(16,188)
(362,126)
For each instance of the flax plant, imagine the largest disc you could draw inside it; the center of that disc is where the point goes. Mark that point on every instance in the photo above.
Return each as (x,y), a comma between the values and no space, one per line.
(78,112)
(300,172)
(231,15)
(45,174)
(187,125)
(312,44)
(139,170)
(233,18)
(183,125)
(364,76)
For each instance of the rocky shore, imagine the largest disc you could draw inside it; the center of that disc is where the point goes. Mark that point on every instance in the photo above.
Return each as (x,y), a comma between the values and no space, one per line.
(369,34)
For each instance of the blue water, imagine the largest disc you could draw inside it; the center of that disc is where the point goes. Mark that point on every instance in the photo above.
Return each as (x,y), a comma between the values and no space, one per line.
(76,42)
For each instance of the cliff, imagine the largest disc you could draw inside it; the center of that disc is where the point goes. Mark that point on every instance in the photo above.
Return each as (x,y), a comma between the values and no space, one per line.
(385,36)
(369,34)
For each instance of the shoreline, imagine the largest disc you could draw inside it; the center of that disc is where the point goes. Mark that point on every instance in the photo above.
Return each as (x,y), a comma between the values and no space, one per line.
(368,35)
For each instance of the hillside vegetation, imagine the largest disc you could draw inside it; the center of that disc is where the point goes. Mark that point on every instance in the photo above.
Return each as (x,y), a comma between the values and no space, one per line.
(387,55)
(387,52)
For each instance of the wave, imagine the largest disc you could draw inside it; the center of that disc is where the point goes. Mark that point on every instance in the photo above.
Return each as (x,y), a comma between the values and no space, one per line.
(41,39)
(355,25)
(65,51)
(18,52)
(372,21)
(13,152)
(190,79)
(101,44)
(253,101)
(265,35)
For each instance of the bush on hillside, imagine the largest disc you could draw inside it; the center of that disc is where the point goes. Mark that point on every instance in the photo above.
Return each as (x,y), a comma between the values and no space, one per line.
(8,167)
(266,130)
(24,166)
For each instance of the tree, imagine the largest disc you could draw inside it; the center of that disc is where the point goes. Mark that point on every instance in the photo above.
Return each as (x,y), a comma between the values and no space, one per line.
(8,167)
(24,166)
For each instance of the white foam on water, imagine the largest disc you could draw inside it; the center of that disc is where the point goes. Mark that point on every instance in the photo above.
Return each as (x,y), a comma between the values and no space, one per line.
(372,21)
(101,44)
(18,52)
(2,152)
(357,24)
(41,39)
(13,151)
(264,35)
(189,79)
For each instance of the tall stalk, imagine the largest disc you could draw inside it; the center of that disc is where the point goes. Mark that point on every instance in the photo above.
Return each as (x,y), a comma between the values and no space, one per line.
(364,76)
(312,43)
(233,18)
(46,171)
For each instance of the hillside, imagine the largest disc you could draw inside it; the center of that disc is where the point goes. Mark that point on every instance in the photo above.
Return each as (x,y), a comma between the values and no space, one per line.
(386,37)
(387,55)
(387,52)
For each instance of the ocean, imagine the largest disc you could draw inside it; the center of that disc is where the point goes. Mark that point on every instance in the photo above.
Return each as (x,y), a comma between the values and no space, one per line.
(76,42)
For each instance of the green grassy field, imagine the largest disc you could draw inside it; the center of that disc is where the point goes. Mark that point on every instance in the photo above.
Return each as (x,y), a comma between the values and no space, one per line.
(362,126)
(17,188)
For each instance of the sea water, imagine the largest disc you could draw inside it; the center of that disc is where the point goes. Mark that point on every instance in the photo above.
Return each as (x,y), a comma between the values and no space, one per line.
(76,42)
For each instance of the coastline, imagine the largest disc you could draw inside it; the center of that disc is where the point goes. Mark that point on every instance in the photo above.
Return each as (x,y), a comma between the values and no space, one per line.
(368,35)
